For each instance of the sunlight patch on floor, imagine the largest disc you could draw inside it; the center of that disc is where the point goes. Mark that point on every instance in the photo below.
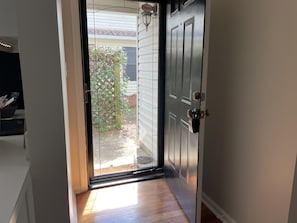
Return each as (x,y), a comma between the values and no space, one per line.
(111,198)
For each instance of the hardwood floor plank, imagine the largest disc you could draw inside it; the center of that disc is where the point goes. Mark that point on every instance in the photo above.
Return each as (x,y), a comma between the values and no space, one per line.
(143,202)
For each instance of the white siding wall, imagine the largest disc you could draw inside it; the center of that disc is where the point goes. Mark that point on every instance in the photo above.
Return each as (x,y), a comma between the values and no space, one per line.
(131,88)
(147,52)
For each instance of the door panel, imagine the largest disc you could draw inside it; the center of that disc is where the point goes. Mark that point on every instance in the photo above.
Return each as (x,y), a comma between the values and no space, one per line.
(185,30)
(173,61)
(184,149)
(187,61)
(172,147)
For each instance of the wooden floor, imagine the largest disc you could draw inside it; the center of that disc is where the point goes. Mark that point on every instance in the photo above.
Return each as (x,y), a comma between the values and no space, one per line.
(141,202)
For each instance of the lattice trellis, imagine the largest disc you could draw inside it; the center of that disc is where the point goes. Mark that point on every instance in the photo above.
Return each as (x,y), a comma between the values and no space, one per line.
(106,69)
(104,113)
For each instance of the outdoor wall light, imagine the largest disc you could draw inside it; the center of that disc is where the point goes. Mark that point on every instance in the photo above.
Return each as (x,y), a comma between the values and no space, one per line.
(147,12)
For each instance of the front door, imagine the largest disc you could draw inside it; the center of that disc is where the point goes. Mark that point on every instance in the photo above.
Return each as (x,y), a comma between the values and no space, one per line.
(184,54)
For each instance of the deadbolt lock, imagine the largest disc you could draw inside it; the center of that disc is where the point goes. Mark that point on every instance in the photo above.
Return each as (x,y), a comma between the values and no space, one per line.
(196,96)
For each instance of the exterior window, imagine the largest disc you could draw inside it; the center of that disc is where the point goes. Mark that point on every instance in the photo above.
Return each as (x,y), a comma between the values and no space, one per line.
(131,62)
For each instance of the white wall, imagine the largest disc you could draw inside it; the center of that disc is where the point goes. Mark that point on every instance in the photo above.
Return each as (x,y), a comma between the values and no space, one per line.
(251,134)
(8,18)
(8,24)
(43,70)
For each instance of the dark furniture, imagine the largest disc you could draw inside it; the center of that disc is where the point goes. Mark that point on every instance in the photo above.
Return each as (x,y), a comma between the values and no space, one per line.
(13,125)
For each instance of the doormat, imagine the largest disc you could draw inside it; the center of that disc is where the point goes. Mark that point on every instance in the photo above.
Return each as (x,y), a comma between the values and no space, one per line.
(144,159)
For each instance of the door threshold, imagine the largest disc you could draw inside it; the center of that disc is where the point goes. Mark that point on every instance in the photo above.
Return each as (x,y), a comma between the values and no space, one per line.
(124,178)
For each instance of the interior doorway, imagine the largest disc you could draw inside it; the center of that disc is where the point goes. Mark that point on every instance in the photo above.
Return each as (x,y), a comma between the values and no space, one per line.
(121,47)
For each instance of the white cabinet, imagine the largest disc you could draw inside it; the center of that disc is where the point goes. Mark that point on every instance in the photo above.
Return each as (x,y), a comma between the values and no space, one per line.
(16,198)
(24,209)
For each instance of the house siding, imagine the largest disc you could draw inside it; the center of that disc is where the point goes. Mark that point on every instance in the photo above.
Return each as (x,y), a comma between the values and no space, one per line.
(147,68)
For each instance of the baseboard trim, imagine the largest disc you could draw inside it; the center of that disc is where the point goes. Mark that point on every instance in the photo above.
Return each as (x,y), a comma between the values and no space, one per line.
(217,210)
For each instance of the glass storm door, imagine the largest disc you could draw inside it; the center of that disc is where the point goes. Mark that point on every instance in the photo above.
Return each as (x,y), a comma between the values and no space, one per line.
(122,88)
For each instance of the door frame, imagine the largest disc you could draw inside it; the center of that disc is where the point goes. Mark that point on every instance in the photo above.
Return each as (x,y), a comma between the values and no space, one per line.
(203,105)
(86,84)
(87,98)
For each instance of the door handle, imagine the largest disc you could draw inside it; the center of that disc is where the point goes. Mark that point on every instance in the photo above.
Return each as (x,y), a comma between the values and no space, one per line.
(194,116)
(192,113)
(86,88)
(86,91)
(197,113)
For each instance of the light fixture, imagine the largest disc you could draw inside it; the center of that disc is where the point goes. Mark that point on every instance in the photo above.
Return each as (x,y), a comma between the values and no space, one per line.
(147,12)
(5,44)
